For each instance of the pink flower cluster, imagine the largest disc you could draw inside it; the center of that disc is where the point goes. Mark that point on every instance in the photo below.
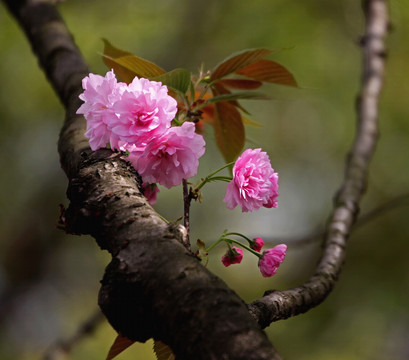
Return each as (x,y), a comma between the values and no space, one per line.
(254,183)
(269,260)
(137,118)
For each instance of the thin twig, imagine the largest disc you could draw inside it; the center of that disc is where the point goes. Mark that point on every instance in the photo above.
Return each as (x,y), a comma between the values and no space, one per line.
(63,346)
(186,212)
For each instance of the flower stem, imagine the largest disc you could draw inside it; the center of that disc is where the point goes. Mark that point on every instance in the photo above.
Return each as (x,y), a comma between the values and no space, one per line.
(210,177)
(165,220)
(243,246)
(232,241)
(241,235)
(215,244)
(220,178)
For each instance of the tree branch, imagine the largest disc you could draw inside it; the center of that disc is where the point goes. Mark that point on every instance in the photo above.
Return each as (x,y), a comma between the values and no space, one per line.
(63,347)
(153,286)
(277,305)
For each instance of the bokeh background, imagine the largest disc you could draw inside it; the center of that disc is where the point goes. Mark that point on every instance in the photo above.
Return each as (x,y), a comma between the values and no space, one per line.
(49,281)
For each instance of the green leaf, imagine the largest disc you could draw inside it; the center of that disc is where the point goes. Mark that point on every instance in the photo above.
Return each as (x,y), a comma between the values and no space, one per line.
(162,351)
(126,65)
(268,71)
(229,130)
(140,67)
(178,80)
(236,96)
(242,84)
(120,344)
(238,61)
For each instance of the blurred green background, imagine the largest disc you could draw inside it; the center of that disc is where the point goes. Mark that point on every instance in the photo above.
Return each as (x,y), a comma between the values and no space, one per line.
(49,281)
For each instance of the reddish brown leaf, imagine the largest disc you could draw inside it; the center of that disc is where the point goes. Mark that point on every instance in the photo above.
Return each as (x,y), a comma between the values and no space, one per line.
(219,89)
(112,51)
(162,351)
(229,130)
(138,66)
(109,56)
(238,61)
(268,71)
(241,84)
(208,114)
(120,344)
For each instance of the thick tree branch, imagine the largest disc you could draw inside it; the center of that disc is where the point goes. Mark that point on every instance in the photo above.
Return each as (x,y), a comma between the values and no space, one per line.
(153,287)
(276,305)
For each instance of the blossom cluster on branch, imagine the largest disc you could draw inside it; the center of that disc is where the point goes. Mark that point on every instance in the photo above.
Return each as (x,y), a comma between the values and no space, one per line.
(140,120)
(136,119)
(269,260)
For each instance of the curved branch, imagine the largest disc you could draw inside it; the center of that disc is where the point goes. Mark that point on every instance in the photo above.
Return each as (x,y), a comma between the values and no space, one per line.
(153,284)
(277,305)
(63,346)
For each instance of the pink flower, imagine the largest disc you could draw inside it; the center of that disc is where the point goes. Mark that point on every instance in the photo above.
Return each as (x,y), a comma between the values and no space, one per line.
(271,260)
(124,115)
(257,244)
(144,110)
(150,191)
(232,256)
(170,157)
(254,183)
(99,95)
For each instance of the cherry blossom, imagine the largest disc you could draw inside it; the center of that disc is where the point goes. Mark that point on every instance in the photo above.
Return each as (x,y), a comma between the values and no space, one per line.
(271,260)
(170,157)
(254,183)
(144,110)
(100,93)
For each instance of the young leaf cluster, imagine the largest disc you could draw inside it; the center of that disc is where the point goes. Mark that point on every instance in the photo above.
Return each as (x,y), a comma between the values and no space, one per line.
(211,97)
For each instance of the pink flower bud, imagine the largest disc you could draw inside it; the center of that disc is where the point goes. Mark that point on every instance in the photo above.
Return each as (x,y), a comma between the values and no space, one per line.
(271,260)
(150,191)
(257,244)
(232,256)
